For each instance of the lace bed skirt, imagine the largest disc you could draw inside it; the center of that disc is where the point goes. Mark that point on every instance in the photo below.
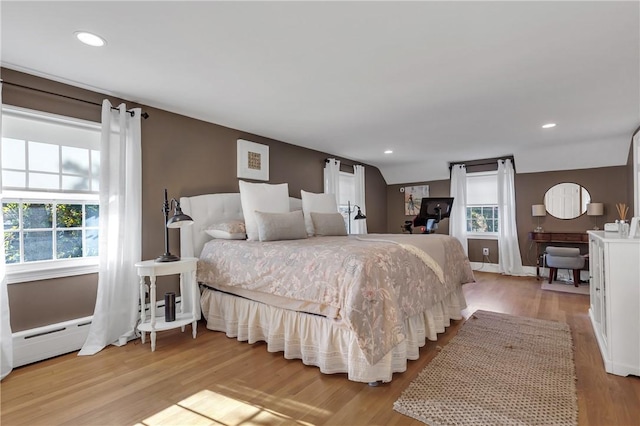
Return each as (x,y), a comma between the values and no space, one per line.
(322,342)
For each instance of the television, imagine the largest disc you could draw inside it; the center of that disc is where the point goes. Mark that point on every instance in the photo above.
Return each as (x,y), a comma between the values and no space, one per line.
(432,211)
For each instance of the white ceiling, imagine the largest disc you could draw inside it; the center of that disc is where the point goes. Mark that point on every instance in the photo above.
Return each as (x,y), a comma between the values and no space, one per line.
(433,81)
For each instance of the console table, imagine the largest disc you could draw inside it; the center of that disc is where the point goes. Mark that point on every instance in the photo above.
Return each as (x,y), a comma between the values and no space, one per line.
(543,239)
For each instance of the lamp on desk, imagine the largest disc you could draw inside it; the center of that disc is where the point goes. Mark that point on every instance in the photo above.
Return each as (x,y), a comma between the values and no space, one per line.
(358,216)
(178,220)
(538,210)
(595,210)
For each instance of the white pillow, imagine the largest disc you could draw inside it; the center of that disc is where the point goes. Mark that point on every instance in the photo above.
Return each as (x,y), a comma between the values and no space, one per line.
(281,226)
(316,203)
(229,230)
(265,198)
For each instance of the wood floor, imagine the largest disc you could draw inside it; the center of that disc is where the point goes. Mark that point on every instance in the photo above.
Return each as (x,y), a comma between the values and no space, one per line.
(217,380)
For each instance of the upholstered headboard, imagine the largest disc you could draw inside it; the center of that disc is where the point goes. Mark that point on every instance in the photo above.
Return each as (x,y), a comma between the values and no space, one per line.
(208,209)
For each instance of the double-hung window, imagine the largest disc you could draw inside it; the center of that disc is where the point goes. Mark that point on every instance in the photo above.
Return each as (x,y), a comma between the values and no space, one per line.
(50,200)
(482,205)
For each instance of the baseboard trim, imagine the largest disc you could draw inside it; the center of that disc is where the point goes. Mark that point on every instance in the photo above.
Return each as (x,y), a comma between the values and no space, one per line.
(37,344)
(40,343)
(494,268)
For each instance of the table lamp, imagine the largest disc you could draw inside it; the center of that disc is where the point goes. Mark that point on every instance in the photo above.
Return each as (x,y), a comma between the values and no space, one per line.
(358,215)
(178,220)
(538,210)
(595,210)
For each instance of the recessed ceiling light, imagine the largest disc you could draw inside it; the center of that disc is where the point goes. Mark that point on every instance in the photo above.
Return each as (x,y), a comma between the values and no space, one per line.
(90,39)
(388,151)
(548,125)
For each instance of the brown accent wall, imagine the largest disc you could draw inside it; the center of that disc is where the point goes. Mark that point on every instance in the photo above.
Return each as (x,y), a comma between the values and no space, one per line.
(608,185)
(39,303)
(184,155)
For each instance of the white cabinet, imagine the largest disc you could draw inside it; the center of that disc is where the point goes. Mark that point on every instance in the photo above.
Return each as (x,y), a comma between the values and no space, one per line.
(614,271)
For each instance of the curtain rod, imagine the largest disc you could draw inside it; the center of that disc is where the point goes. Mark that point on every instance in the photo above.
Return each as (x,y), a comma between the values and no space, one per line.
(326,160)
(143,115)
(483,162)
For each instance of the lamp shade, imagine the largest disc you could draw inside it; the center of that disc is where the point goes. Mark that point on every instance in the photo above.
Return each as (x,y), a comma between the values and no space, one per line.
(538,210)
(595,209)
(359,215)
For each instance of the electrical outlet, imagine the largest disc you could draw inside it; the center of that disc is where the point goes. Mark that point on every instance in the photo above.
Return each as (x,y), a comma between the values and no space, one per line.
(485,251)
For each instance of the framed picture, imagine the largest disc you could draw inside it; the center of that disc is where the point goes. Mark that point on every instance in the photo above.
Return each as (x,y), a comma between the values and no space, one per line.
(253,160)
(413,196)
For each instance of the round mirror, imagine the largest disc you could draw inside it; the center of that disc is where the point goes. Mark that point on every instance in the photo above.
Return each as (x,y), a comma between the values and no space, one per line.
(566,200)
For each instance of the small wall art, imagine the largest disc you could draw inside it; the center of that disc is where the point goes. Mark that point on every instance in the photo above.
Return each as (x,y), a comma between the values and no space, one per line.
(413,196)
(253,160)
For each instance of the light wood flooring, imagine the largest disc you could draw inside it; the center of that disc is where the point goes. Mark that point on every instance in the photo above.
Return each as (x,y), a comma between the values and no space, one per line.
(217,380)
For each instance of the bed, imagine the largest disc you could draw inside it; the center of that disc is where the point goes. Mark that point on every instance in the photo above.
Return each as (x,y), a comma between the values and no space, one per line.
(360,305)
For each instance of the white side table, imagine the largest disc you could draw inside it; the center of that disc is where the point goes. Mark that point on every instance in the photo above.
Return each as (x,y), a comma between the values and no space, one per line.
(186,267)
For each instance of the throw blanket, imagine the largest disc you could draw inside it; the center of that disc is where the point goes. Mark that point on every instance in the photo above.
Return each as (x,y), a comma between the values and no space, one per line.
(373,284)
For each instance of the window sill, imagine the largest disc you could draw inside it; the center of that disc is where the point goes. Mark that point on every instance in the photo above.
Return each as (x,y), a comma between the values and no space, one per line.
(37,271)
(481,236)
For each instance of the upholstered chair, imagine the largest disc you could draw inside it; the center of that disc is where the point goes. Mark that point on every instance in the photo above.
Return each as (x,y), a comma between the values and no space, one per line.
(564,258)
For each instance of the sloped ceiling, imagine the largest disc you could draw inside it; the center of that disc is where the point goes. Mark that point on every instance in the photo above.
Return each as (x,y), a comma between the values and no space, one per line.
(433,81)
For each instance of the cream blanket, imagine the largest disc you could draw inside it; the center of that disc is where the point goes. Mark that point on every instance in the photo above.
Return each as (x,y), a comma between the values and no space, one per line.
(372,283)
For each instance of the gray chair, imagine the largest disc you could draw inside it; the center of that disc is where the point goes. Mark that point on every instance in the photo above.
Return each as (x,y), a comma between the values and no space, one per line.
(564,258)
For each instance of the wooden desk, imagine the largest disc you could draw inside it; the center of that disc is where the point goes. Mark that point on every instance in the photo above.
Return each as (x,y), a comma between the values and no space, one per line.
(544,239)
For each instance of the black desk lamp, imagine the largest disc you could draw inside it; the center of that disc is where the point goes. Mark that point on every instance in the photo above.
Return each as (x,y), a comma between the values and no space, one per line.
(178,220)
(358,215)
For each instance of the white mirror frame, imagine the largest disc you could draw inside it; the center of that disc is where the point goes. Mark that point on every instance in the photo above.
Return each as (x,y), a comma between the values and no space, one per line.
(566,200)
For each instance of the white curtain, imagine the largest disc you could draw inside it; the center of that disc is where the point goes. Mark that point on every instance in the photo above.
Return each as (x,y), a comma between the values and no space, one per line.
(359,226)
(458,216)
(332,178)
(116,311)
(510,262)
(6,354)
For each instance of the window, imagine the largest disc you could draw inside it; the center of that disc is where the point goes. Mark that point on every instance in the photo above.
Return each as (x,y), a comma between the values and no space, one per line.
(50,185)
(482,204)
(35,231)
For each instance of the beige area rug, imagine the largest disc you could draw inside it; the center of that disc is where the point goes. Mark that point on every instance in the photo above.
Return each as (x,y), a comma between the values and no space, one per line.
(498,370)
(566,287)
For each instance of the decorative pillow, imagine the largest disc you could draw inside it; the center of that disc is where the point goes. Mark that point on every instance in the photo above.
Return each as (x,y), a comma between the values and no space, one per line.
(231,230)
(280,226)
(326,224)
(317,203)
(264,197)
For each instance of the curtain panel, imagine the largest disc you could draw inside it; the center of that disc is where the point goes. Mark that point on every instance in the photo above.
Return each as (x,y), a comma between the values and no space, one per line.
(458,216)
(510,262)
(359,226)
(116,311)
(6,353)
(332,178)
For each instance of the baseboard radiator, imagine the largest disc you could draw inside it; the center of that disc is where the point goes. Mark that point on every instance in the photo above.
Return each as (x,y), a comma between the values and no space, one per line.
(37,344)
(40,343)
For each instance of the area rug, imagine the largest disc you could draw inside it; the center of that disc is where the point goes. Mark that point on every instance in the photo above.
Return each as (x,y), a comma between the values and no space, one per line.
(566,288)
(498,370)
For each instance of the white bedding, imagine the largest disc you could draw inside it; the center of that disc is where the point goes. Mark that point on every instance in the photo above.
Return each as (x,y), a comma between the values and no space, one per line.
(343,339)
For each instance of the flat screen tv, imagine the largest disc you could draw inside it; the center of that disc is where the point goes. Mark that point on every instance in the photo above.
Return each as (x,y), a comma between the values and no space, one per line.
(432,211)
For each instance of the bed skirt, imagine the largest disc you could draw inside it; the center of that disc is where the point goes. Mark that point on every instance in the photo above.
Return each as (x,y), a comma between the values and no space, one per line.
(322,342)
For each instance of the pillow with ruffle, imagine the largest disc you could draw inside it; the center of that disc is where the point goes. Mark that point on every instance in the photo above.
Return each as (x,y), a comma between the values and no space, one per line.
(229,230)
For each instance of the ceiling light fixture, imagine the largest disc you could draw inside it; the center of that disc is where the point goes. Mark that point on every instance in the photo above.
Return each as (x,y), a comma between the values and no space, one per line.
(548,126)
(388,151)
(90,39)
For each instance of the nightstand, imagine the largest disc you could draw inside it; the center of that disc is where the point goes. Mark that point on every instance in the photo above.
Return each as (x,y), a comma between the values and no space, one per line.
(189,294)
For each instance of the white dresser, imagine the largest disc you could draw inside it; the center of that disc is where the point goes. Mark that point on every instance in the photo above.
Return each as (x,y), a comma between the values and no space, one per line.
(614,271)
